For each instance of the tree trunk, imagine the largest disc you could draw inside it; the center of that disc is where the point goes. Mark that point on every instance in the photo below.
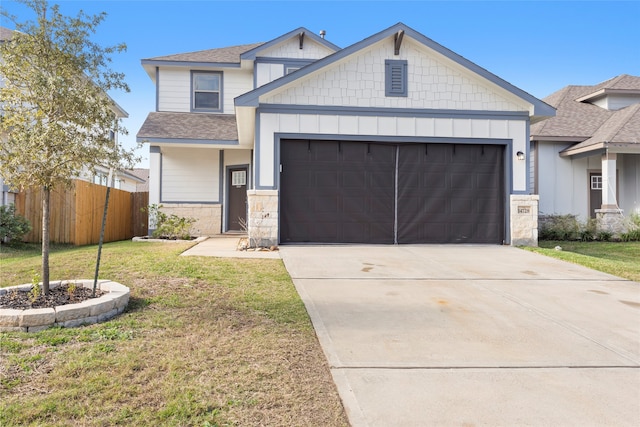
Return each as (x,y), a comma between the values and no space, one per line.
(46,218)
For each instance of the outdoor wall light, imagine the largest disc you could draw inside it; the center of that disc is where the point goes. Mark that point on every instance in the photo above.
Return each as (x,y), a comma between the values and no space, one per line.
(520,155)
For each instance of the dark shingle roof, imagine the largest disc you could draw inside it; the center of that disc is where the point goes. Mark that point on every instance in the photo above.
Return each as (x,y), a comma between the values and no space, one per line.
(189,126)
(575,119)
(623,127)
(221,55)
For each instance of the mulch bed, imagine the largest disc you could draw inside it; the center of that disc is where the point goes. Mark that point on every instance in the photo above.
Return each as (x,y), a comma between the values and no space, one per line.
(60,295)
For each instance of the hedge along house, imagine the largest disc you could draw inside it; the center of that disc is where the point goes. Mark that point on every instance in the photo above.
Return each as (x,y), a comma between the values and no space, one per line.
(392,140)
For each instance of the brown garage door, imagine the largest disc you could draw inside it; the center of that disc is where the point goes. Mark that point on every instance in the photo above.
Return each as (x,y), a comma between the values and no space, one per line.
(366,192)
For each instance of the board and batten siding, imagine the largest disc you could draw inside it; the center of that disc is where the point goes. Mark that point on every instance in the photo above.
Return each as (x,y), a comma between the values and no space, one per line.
(630,183)
(266,72)
(190,176)
(174,92)
(291,49)
(372,126)
(563,182)
(434,82)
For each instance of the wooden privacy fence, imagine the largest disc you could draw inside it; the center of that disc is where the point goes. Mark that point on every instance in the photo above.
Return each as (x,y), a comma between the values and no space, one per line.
(76,214)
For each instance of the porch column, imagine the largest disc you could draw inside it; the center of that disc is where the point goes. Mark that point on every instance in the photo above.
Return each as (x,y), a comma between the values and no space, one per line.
(610,216)
(155,162)
(609,183)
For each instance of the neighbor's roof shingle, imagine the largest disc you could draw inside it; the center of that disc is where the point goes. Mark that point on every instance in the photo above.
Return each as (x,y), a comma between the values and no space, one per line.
(221,55)
(576,119)
(190,126)
(623,127)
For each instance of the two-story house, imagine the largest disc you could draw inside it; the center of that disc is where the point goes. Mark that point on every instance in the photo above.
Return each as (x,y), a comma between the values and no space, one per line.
(394,139)
(587,157)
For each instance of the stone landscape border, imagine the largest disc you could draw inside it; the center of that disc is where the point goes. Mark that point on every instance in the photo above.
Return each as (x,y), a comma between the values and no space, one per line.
(93,310)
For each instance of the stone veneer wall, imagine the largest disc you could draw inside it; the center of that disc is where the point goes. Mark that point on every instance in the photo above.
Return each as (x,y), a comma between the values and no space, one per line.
(208,217)
(263,217)
(88,312)
(612,221)
(524,219)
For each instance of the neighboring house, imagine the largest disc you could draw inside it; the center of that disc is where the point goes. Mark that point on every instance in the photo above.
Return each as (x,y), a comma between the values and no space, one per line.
(587,157)
(143,174)
(126,180)
(123,180)
(7,195)
(394,139)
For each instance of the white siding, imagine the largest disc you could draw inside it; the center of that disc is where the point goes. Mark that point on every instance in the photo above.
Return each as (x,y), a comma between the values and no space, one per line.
(616,102)
(174,92)
(175,89)
(191,175)
(268,72)
(237,157)
(563,183)
(434,82)
(388,126)
(629,183)
(236,83)
(291,49)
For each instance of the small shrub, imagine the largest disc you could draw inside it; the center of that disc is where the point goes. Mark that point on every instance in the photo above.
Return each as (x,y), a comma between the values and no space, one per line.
(604,236)
(12,225)
(633,233)
(560,227)
(171,226)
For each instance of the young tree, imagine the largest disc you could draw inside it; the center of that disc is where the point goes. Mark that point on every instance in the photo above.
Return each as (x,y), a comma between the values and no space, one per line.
(56,117)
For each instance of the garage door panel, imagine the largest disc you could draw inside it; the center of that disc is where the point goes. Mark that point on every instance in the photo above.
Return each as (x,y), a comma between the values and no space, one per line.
(445,206)
(346,192)
(351,178)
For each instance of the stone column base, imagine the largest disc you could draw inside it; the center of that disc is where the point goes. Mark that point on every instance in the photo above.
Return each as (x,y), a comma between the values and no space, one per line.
(263,218)
(612,221)
(524,219)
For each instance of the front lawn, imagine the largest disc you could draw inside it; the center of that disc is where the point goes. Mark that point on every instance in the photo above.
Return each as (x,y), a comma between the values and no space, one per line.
(204,342)
(621,259)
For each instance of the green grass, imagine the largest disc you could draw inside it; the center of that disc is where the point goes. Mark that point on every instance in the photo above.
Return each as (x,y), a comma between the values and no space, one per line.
(621,259)
(203,342)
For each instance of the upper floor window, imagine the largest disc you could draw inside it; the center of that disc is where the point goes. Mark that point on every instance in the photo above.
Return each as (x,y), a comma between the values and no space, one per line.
(206,91)
(395,77)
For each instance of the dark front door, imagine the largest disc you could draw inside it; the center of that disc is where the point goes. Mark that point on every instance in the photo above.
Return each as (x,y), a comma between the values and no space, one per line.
(237,209)
(595,192)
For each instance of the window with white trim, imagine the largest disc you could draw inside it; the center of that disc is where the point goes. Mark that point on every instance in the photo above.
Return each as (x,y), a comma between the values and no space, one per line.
(596,182)
(206,91)
(395,77)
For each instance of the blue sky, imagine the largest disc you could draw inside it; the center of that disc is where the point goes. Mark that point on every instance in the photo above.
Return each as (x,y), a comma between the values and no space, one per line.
(538,46)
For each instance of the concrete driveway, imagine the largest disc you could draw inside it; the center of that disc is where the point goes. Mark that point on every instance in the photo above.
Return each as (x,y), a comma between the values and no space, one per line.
(447,335)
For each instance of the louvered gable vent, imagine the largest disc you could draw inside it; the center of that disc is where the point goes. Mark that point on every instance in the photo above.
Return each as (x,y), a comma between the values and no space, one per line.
(395,77)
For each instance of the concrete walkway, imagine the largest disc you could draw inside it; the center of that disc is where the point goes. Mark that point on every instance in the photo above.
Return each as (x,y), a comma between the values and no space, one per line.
(451,335)
(226,246)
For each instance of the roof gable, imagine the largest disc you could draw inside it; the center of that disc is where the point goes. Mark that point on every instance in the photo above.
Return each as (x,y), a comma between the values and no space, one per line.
(397,31)
(300,35)
(577,119)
